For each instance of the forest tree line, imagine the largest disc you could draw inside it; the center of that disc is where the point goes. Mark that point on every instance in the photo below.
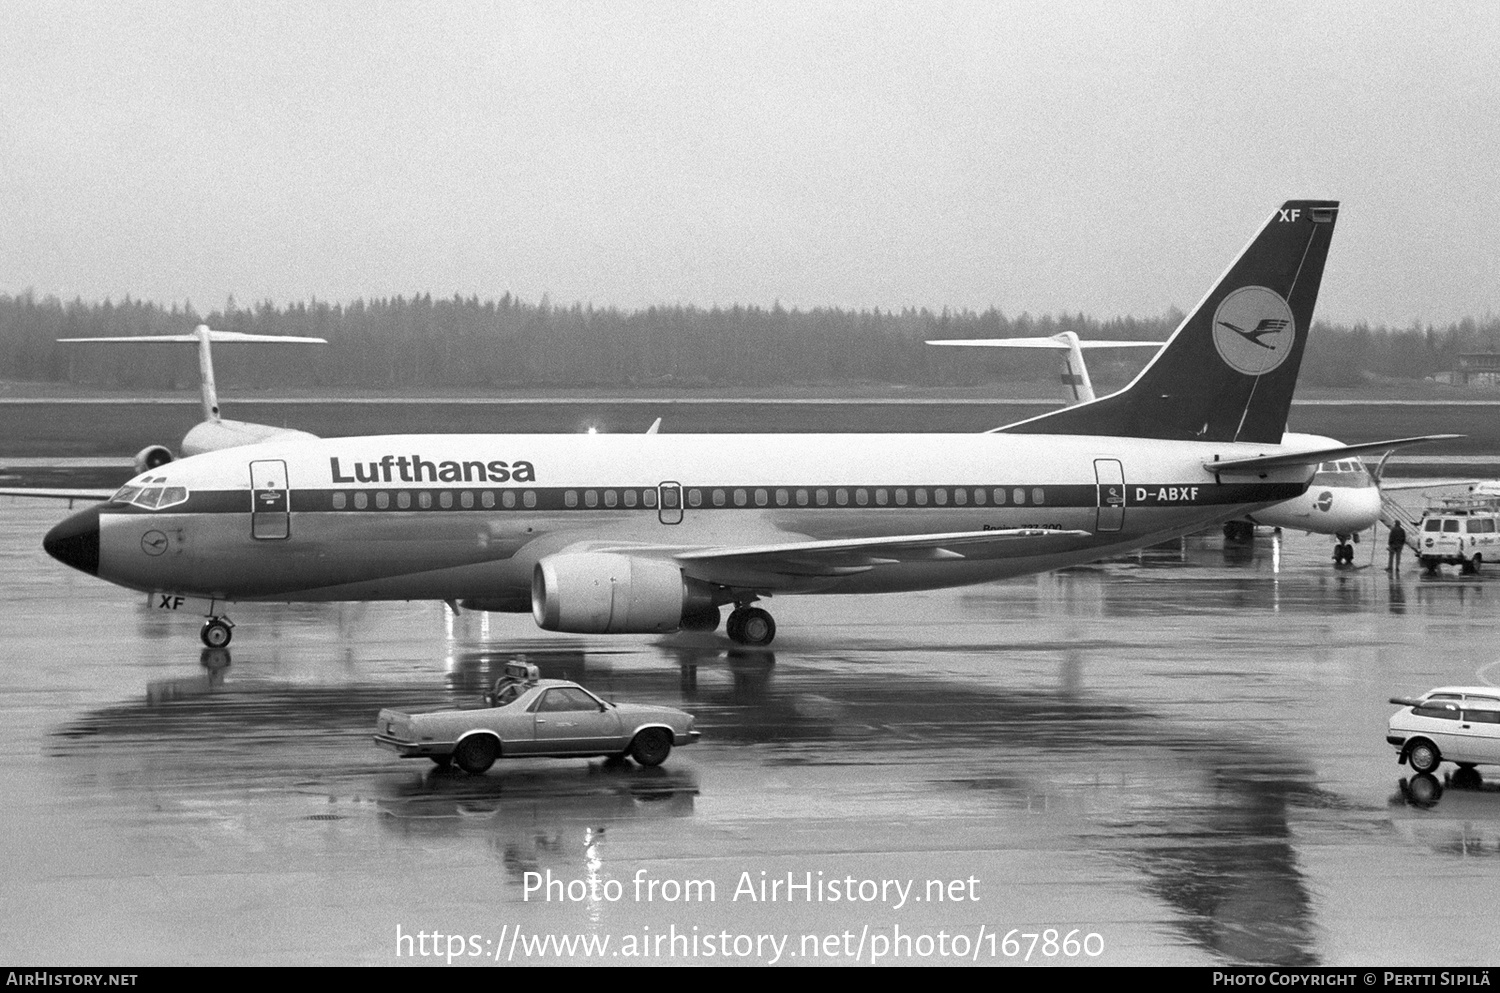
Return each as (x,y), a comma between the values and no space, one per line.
(466,343)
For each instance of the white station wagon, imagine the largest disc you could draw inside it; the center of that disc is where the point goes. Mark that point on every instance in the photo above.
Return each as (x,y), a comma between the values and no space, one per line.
(1449,724)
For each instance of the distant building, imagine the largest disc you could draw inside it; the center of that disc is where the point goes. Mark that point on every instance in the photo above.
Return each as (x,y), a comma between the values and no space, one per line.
(1478,369)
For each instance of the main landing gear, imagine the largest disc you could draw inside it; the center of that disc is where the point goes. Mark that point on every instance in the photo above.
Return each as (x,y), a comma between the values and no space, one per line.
(217,631)
(750,626)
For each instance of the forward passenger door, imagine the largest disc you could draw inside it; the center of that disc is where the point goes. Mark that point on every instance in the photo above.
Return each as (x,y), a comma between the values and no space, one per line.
(270,500)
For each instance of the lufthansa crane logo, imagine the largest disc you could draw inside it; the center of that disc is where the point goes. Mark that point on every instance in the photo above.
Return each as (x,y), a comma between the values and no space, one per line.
(153,543)
(1253,330)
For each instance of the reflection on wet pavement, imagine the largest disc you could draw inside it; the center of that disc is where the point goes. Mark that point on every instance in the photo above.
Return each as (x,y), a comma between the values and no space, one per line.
(1182,751)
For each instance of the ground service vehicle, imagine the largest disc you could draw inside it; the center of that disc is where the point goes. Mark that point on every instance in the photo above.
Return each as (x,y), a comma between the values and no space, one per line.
(1462,531)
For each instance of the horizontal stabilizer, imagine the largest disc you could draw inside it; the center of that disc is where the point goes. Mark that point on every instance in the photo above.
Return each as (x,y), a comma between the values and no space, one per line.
(1287,459)
(1056,343)
(228,337)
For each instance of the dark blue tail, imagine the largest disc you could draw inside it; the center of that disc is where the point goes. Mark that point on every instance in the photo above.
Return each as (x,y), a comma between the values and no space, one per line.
(1228,371)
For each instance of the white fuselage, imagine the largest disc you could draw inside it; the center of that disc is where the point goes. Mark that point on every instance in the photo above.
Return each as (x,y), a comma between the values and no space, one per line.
(468,516)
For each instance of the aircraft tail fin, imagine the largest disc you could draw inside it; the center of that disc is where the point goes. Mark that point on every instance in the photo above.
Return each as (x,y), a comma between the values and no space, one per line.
(1077,385)
(1228,371)
(203,335)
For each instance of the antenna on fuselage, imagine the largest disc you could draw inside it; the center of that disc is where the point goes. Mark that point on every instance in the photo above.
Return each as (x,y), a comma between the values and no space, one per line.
(203,336)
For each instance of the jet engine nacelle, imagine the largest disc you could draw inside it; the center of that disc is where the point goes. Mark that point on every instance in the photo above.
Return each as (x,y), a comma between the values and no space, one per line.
(609,593)
(152,457)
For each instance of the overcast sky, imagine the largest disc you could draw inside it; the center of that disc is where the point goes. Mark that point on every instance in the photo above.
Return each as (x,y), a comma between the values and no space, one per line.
(1104,157)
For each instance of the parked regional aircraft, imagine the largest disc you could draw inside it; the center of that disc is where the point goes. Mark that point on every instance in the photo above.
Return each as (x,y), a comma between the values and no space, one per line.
(648,533)
(213,432)
(209,435)
(1343,499)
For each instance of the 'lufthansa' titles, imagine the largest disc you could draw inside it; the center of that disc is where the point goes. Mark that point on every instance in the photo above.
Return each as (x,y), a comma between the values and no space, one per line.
(415,469)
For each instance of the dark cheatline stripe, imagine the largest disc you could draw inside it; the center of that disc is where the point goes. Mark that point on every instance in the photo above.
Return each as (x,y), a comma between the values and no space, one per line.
(556,498)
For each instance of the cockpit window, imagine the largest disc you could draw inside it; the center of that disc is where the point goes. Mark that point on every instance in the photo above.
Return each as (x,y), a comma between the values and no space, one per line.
(150,497)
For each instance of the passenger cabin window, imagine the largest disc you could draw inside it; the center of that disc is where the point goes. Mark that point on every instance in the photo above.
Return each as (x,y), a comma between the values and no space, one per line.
(1445,713)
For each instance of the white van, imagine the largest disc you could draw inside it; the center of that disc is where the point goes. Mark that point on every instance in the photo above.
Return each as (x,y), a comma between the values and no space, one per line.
(1465,534)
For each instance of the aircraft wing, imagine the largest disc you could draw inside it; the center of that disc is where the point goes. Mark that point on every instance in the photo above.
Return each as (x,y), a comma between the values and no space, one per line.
(1283,460)
(58,494)
(1398,485)
(796,563)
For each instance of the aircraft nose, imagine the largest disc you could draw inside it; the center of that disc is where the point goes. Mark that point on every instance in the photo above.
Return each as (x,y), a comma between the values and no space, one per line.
(75,541)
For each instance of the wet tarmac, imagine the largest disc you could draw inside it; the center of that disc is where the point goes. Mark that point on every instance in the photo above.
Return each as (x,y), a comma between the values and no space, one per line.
(1176,758)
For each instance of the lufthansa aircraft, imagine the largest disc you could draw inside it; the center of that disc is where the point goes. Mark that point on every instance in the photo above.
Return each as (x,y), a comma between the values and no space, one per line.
(650,533)
(1344,498)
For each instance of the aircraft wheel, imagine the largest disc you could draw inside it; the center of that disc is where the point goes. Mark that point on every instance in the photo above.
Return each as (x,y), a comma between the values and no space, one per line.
(651,747)
(1239,532)
(1424,756)
(476,753)
(751,626)
(216,632)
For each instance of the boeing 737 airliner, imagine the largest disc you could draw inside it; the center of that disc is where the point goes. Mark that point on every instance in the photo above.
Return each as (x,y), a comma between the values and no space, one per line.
(650,533)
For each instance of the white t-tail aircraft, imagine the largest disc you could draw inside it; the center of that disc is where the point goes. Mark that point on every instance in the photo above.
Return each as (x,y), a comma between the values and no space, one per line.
(646,533)
(213,432)
(209,435)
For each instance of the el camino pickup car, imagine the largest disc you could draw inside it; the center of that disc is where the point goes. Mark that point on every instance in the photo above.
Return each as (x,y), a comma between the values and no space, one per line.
(529,717)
